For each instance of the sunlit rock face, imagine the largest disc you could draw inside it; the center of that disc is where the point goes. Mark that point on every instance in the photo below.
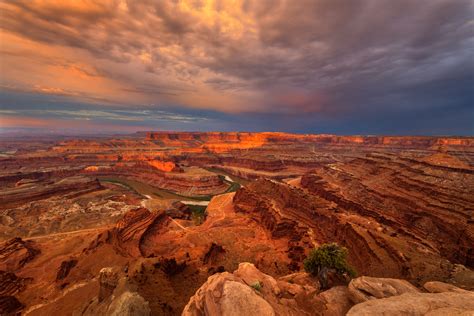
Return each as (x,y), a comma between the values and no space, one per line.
(166,166)
(258,139)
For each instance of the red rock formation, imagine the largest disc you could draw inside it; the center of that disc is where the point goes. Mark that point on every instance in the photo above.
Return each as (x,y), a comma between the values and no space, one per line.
(10,284)
(9,305)
(128,234)
(166,166)
(259,139)
(65,268)
(192,182)
(211,255)
(401,205)
(15,253)
(407,198)
(70,186)
(382,241)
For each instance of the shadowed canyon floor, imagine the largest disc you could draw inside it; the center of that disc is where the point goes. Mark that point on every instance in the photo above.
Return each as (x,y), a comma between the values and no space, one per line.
(91,226)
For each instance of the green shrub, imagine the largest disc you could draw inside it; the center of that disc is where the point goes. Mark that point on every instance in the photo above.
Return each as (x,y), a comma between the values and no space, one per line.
(257,286)
(198,213)
(328,257)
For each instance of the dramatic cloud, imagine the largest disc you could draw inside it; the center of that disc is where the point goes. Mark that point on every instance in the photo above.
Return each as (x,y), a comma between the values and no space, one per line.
(360,66)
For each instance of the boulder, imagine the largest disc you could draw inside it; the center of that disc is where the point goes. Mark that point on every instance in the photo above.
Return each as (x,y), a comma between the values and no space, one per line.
(336,301)
(223,292)
(108,281)
(447,303)
(117,296)
(248,291)
(440,287)
(368,288)
(239,299)
(129,304)
(301,278)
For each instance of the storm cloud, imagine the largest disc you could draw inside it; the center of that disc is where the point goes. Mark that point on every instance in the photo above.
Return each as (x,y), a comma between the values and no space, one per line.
(360,66)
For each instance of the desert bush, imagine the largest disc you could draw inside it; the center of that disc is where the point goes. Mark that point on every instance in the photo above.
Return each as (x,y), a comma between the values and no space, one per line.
(198,214)
(328,257)
(257,286)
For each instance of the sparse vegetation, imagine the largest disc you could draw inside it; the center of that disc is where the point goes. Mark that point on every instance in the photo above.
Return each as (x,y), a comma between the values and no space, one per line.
(198,213)
(328,257)
(257,286)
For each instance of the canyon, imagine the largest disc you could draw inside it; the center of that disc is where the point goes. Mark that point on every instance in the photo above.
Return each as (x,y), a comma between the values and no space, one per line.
(159,222)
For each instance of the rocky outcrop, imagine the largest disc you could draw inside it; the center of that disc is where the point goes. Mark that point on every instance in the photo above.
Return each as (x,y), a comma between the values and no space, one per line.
(211,255)
(65,268)
(233,298)
(129,304)
(191,182)
(166,166)
(10,284)
(366,288)
(383,241)
(69,187)
(283,211)
(257,139)
(128,234)
(335,301)
(447,303)
(440,287)
(250,292)
(10,305)
(15,253)
(179,210)
(170,266)
(116,296)
(405,199)
(108,281)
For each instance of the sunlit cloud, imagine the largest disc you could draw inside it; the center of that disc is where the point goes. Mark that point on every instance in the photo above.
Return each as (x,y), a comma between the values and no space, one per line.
(323,59)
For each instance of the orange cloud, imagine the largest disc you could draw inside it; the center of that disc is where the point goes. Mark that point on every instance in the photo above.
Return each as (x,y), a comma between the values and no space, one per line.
(234,56)
(61,124)
(19,121)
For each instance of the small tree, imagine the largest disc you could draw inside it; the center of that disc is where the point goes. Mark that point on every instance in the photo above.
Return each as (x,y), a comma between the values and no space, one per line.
(326,258)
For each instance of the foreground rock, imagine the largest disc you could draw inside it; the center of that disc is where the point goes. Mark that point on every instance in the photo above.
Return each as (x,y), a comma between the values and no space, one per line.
(116,297)
(440,287)
(248,291)
(447,303)
(366,288)
(129,303)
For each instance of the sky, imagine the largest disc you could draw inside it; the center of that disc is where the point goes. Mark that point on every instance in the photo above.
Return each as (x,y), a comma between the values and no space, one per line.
(387,67)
